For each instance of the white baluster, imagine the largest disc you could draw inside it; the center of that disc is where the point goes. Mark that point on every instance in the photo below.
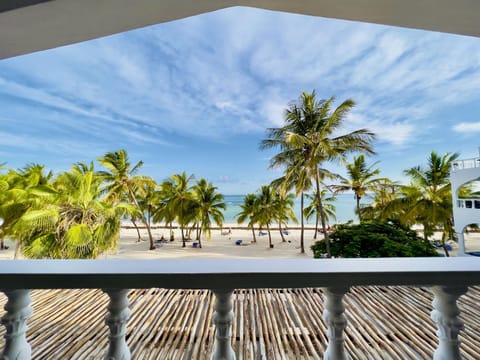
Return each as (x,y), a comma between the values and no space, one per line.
(117,318)
(445,314)
(336,321)
(18,311)
(223,318)
(461,244)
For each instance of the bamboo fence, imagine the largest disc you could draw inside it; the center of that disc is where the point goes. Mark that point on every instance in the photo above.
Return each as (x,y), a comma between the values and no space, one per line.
(383,323)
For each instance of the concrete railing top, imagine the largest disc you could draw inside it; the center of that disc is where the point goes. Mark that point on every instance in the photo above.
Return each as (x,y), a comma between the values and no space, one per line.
(237,273)
(465,164)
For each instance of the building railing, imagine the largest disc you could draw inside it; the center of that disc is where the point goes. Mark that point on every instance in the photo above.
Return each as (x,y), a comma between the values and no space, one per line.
(448,279)
(465,164)
(468,203)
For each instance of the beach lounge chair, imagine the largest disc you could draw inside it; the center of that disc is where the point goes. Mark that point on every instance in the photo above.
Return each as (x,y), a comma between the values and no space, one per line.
(285,232)
(238,242)
(260,233)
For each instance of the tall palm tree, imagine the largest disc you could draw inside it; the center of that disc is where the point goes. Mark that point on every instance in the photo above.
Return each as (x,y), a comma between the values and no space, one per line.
(267,209)
(249,210)
(295,177)
(210,205)
(181,201)
(310,130)
(361,178)
(122,183)
(163,211)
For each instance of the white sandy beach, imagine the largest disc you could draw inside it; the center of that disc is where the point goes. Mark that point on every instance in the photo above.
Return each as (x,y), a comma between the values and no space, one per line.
(221,246)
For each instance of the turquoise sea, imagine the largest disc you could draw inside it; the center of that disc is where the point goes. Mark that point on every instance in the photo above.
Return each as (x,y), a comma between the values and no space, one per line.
(345,208)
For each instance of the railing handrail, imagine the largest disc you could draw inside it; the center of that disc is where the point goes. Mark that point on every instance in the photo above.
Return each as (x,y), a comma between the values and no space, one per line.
(237,273)
(465,164)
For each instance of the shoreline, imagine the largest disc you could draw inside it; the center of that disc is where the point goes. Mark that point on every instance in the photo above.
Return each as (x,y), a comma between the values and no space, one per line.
(221,244)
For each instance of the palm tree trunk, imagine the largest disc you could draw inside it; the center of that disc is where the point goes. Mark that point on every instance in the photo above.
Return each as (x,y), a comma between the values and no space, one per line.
(358,208)
(269,236)
(183,236)
(199,236)
(138,230)
(171,232)
(253,232)
(302,226)
(425,233)
(281,232)
(316,225)
(2,244)
(322,215)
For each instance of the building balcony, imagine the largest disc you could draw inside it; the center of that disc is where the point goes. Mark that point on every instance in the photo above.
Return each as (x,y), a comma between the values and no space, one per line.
(465,164)
(256,309)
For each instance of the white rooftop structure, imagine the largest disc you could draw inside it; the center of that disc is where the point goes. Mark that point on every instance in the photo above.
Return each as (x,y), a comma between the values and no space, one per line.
(466,211)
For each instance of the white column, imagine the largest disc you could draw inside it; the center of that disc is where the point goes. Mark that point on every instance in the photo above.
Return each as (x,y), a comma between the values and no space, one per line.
(118,315)
(445,314)
(18,311)
(336,323)
(222,319)
(461,244)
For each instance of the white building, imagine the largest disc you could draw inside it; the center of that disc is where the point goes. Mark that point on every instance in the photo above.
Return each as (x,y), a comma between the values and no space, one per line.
(466,209)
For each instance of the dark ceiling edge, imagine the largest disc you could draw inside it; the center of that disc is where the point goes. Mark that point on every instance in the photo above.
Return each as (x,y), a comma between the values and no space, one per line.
(9,5)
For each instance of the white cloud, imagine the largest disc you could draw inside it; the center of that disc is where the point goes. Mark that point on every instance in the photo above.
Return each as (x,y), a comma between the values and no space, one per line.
(467,127)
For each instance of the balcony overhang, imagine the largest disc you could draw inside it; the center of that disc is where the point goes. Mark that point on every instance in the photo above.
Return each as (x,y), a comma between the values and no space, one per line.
(32,25)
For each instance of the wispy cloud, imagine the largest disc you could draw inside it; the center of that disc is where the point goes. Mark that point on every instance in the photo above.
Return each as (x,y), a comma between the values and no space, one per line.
(215,77)
(467,127)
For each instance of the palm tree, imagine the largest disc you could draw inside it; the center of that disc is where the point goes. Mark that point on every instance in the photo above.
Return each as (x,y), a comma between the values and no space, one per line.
(163,211)
(361,178)
(71,222)
(21,190)
(122,183)
(250,210)
(181,200)
(267,210)
(283,205)
(385,195)
(296,177)
(313,207)
(310,131)
(210,205)
(428,199)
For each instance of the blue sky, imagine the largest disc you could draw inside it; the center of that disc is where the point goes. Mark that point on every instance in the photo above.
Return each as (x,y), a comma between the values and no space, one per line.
(197,94)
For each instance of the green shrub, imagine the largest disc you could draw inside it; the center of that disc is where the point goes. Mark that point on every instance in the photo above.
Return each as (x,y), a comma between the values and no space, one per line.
(374,239)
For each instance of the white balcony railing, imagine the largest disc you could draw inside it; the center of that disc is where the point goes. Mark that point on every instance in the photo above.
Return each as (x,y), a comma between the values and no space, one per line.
(448,278)
(468,203)
(465,164)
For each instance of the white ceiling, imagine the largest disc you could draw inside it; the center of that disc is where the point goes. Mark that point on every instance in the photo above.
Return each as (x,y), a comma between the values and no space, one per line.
(26,28)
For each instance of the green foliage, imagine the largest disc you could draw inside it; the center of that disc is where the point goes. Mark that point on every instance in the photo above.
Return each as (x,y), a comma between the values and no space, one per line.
(68,219)
(310,138)
(374,239)
(122,183)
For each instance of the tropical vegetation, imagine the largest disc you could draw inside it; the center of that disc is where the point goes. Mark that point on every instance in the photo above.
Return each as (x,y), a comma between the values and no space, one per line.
(374,239)
(78,213)
(310,137)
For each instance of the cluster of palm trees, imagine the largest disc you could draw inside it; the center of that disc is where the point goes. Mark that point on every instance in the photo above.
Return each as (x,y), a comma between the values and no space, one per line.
(265,208)
(77,213)
(309,140)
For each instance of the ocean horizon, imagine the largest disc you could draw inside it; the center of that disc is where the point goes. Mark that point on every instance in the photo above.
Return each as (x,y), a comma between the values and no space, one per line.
(344,209)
